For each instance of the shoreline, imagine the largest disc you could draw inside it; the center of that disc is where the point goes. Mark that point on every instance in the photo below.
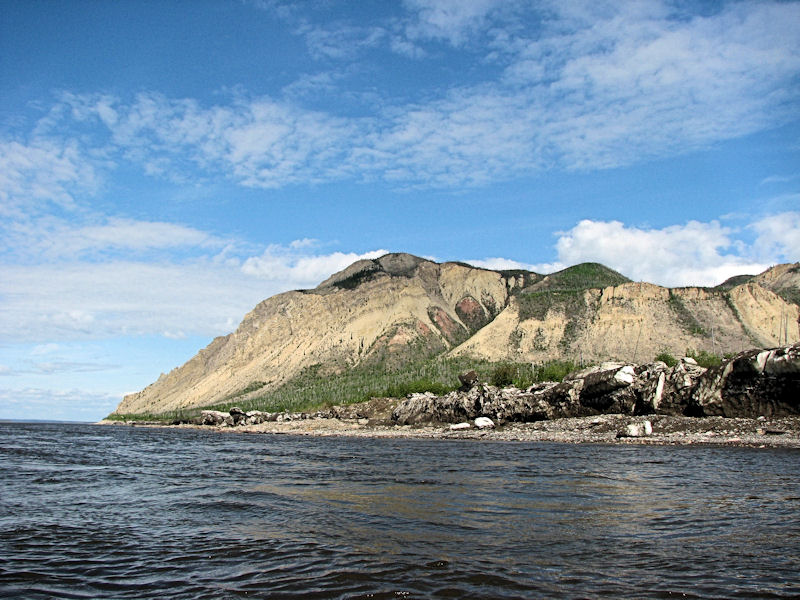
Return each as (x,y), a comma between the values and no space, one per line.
(763,432)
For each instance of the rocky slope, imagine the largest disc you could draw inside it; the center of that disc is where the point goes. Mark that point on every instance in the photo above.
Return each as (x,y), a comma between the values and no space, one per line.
(398,308)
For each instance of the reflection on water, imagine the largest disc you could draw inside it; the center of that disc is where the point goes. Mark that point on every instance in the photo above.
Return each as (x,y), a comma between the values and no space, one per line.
(94,512)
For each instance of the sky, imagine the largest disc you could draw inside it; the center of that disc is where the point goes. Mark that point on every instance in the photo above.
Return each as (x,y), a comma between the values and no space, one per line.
(166,165)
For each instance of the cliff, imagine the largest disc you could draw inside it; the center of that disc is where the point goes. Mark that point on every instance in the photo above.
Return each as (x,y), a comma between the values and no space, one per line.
(400,308)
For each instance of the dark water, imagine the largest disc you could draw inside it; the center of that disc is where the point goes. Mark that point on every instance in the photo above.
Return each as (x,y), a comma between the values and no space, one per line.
(115,512)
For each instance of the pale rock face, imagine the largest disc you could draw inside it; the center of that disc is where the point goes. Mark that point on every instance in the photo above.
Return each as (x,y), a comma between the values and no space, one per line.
(386,306)
(634,322)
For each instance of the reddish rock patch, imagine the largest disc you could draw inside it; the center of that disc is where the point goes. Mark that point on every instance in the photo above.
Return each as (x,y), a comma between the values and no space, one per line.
(451,330)
(471,312)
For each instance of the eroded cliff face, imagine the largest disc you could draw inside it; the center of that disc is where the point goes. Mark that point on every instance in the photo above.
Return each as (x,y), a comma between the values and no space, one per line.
(391,309)
(400,307)
(635,321)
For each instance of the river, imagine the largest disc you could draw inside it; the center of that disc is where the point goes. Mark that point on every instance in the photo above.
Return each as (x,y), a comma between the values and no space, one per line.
(89,511)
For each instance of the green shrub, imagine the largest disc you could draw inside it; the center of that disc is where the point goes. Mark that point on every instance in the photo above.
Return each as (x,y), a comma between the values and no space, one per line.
(503,375)
(418,386)
(667,358)
(555,370)
(704,358)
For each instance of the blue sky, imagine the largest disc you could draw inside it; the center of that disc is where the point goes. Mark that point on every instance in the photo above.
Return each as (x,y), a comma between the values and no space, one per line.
(164,166)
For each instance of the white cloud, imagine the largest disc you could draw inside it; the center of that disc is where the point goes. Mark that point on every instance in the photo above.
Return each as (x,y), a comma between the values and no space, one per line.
(281,264)
(692,254)
(778,237)
(340,40)
(258,142)
(584,87)
(500,264)
(778,179)
(49,404)
(104,298)
(679,255)
(450,20)
(56,239)
(42,173)
(43,349)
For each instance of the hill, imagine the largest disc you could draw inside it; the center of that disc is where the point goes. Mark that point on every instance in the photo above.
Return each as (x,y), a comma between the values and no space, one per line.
(401,318)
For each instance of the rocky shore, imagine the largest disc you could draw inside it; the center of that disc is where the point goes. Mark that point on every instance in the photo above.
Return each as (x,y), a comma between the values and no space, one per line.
(603,429)
(752,399)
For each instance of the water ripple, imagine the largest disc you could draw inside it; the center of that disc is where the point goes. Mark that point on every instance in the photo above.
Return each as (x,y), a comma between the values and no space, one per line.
(92,512)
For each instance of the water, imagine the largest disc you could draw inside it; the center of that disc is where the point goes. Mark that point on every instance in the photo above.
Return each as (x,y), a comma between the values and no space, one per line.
(117,512)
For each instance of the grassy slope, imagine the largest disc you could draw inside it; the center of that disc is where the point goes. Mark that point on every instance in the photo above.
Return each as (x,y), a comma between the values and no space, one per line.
(311,391)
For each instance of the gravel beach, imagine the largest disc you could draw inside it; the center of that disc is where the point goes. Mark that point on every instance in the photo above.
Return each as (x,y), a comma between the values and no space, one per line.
(601,429)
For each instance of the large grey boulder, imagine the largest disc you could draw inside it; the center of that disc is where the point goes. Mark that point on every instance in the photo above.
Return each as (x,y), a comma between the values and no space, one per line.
(214,417)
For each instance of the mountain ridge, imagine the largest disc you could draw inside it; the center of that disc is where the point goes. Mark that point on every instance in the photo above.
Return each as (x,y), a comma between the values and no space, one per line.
(401,308)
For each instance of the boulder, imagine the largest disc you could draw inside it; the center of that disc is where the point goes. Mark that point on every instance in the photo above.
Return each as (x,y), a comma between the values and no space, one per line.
(237,414)
(484,423)
(468,380)
(753,383)
(460,426)
(213,417)
(598,383)
(666,390)
(254,417)
(636,430)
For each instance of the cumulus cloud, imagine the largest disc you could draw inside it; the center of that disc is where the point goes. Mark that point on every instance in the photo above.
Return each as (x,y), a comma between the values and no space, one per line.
(691,254)
(778,236)
(499,264)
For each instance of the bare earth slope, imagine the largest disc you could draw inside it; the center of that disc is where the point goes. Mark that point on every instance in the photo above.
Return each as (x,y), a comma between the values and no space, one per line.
(400,307)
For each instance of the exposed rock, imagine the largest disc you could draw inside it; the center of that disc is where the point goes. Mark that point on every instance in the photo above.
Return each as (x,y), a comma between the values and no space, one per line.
(214,417)
(636,430)
(754,383)
(238,415)
(758,382)
(484,423)
(468,380)
(254,417)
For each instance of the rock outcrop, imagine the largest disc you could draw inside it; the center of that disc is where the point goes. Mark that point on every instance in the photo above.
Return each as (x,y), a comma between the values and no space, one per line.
(751,384)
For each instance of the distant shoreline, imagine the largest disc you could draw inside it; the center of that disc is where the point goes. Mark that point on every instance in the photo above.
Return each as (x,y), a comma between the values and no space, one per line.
(777,432)
(46,421)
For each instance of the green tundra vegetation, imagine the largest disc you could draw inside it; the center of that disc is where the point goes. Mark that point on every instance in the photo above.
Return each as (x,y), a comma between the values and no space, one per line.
(584,276)
(313,389)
